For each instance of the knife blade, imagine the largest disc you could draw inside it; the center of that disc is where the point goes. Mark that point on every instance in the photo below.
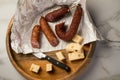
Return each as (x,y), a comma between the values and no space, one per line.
(41,55)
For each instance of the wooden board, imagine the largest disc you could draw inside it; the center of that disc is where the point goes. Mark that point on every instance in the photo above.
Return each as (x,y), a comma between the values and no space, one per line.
(23,62)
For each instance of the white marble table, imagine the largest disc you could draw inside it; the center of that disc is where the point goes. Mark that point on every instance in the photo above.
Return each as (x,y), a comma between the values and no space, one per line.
(106,60)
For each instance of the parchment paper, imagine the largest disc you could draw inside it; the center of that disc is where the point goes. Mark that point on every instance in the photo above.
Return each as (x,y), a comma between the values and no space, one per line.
(28,14)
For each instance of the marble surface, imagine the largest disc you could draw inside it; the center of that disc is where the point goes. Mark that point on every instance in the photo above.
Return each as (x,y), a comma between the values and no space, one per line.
(106,60)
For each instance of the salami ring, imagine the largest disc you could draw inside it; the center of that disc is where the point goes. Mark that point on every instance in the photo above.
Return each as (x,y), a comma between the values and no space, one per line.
(68,35)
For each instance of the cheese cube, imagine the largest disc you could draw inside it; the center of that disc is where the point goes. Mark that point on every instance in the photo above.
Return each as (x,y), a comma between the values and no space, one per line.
(73,47)
(35,68)
(77,39)
(76,56)
(60,56)
(49,67)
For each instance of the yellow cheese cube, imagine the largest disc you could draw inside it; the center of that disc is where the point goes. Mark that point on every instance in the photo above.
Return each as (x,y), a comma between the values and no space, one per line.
(35,68)
(60,56)
(77,39)
(73,47)
(76,56)
(49,67)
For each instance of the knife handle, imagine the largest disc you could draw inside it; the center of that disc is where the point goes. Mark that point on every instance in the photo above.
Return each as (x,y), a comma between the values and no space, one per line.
(57,63)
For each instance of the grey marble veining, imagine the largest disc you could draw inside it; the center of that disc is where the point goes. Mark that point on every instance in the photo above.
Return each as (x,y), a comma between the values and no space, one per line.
(102,10)
(106,16)
(105,65)
(106,60)
(114,77)
(110,28)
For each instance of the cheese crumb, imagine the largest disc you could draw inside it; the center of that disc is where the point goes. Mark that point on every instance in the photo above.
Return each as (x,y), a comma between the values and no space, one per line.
(60,56)
(76,56)
(77,39)
(35,68)
(73,47)
(49,67)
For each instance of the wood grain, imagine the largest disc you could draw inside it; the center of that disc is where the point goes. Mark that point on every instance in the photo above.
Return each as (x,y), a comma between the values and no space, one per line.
(23,62)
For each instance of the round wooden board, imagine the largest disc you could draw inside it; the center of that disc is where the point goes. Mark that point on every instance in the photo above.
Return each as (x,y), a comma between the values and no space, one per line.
(23,62)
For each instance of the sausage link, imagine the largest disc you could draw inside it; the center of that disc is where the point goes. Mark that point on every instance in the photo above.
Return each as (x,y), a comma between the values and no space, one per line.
(57,14)
(60,29)
(35,37)
(68,35)
(48,32)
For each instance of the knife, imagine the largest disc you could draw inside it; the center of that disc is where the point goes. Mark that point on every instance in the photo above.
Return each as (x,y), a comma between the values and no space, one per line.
(41,55)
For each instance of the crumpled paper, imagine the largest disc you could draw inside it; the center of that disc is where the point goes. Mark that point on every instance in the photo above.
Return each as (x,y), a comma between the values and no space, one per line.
(28,14)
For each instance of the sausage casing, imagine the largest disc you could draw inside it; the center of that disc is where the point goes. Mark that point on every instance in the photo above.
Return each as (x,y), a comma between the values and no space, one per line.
(68,35)
(35,37)
(57,14)
(48,32)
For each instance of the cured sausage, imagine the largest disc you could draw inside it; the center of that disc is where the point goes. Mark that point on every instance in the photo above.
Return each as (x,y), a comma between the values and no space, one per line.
(57,14)
(60,29)
(35,37)
(48,32)
(68,35)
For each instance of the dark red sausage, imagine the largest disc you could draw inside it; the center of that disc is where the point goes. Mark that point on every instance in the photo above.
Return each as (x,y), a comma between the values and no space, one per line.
(48,32)
(35,37)
(68,35)
(57,14)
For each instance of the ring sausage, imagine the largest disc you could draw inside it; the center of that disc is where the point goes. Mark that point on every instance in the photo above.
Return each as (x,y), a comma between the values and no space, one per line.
(68,35)
(57,14)
(35,37)
(48,32)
